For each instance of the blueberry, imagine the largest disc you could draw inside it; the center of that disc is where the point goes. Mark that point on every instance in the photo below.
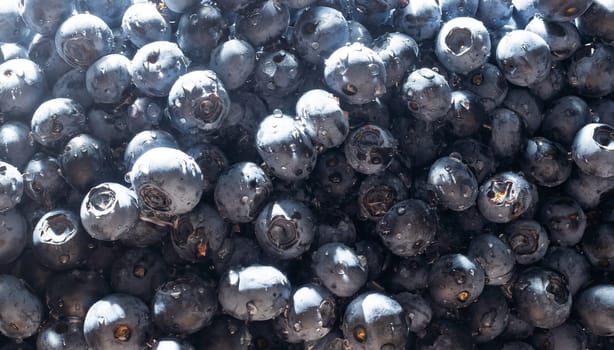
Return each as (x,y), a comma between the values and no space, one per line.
(109,11)
(263,23)
(458,8)
(167,181)
(144,141)
(200,30)
(144,234)
(399,52)
(117,321)
(594,308)
(463,45)
(11,186)
(212,162)
(242,203)
(494,13)
(198,100)
(421,20)
(545,162)
(108,78)
(13,235)
(378,193)
(233,61)
(22,88)
(142,24)
(562,37)
(144,113)
(285,148)
(597,20)
(489,315)
(278,73)
(310,316)
(339,269)
(570,263)
(524,57)
(374,321)
(419,141)
(527,239)
(564,118)
(583,74)
(504,197)
(59,242)
(359,33)
(408,227)
(593,149)
(71,293)
(325,121)
(318,31)
(455,281)
(108,211)
(61,334)
(588,190)
(180,6)
(489,83)
(285,228)
(44,16)
(370,149)
(56,121)
(22,309)
(494,256)
(254,293)
(82,39)
(156,66)
(427,94)
(561,10)
(455,185)
(199,233)
(184,305)
(542,297)
(564,219)
(553,86)
(72,85)
(14,29)
(17,145)
(41,51)
(85,161)
(466,115)
(138,272)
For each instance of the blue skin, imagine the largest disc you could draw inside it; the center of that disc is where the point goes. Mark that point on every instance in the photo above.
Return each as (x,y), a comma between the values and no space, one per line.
(22,88)
(11,186)
(419,19)
(427,94)
(524,57)
(598,20)
(593,149)
(458,8)
(462,45)
(142,23)
(82,39)
(562,37)
(181,6)
(233,61)
(25,312)
(200,30)
(494,13)
(110,11)
(72,85)
(324,26)
(12,26)
(264,24)
(45,16)
(108,78)
(16,146)
(156,66)
(198,101)
(144,141)
(14,235)
(41,50)
(56,121)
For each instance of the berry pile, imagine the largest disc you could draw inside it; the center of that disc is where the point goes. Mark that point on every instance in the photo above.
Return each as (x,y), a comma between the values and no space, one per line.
(307,174)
